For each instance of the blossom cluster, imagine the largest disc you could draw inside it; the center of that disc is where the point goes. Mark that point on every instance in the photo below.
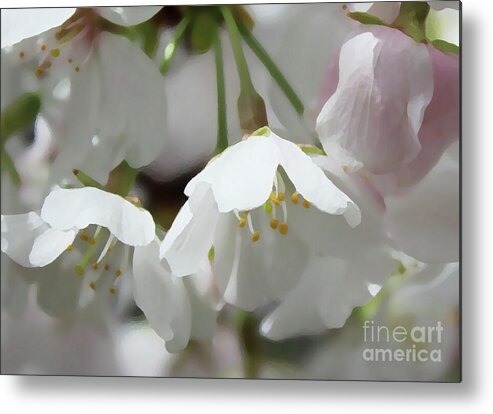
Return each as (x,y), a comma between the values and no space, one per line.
(308,207)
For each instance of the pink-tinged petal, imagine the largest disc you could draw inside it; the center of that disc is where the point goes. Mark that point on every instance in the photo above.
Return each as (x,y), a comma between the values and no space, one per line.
(440,127)
(385,85)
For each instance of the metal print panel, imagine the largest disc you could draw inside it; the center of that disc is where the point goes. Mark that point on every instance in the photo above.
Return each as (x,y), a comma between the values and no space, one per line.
(233,191)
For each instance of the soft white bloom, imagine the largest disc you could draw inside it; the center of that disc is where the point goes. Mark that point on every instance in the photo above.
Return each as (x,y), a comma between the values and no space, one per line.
(344,267)
(104,99)
(91,230)
(425,221)
(100,261)
(425,298)
(239,203)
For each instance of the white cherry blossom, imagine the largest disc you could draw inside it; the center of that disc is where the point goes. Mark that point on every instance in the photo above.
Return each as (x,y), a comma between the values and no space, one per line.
(77,249)
(103,98)
(239,203)
(82,240)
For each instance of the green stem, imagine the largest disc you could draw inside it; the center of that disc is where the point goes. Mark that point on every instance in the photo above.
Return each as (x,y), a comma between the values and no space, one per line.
(86,180)
(241,63)
(9,165)
(272,68)
(222,129)
(251,106)
(172,46)
(126,179)
(248,327)
(81,266)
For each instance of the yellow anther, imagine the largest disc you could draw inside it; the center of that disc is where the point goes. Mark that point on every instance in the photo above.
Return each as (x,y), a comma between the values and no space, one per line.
(345,168)
(134,200)
(79,271)
(39,72)
(242,222)
(118,273)
(55,52)
(106,266)
(92,285)
(70,247)
(281,196)
(112,290)
(295,198)
(95,266)
(84,237)
(43,47)
(77,69)
(274,199)
(21,55)
(283,228)
(255,236)
(91,240)
(274,223)
(306,204)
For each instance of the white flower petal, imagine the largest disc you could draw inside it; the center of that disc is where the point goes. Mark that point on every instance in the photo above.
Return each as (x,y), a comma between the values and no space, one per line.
(329,290)
(250,275)
(241,177)
(59,287)
(72,124)
(425,221)
(190,238)
(162,297)
(65,209)
(49,245)
(311,182)
(128,16)
(203,308)
(18,235)
(134,100)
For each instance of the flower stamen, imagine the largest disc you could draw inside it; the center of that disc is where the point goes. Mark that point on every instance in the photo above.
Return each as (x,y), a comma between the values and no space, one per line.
(295,198)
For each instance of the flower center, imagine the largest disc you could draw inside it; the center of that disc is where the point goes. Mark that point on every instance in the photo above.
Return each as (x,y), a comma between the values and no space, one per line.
(112,259)
(71,45)
(277,199)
